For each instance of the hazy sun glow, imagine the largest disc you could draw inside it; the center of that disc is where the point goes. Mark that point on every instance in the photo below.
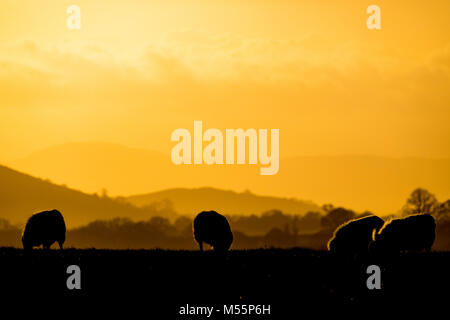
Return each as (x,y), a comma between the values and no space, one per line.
(137,70)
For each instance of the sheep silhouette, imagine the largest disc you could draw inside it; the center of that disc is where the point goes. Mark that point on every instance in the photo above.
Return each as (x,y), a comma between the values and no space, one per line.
(44,228)
(412,233)
(353,237)
(212,228)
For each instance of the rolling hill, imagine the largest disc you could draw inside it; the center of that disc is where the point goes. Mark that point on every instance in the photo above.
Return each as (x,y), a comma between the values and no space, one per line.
(191,201)
(21,195)
(377,184)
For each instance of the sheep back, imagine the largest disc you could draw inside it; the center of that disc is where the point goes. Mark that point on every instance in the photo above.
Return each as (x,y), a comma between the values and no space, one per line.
(213,228)
(44,228)
(412,233)
(354,236)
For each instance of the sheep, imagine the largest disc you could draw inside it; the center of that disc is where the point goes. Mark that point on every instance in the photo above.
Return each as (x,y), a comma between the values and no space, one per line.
(412,233)
(212,228)
(44,228)
(353,237)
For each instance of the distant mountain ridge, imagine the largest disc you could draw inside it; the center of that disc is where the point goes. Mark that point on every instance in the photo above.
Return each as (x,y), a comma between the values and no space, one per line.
(22,195)
(191,201)
(374,183)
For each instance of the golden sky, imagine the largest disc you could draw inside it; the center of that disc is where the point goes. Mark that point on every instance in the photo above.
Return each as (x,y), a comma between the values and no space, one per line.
(137,70)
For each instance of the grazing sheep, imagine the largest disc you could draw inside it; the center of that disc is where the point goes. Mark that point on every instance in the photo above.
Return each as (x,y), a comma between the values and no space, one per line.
(353,237)
(213,228)
(44,228)
(412,233)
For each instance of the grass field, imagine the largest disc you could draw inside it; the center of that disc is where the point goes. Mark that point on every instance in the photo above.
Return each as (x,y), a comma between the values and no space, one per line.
(288,280)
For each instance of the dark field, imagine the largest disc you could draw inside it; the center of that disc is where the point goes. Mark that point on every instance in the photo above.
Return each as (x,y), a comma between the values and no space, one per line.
(288,280)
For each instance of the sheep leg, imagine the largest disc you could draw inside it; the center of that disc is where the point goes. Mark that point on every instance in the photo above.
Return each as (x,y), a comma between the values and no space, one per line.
(60,245)
(201,245)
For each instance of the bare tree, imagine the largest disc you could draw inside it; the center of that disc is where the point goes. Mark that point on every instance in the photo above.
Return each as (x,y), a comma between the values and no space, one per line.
(420,201)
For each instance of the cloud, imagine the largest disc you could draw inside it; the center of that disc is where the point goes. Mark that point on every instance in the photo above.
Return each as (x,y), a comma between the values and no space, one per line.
(198,65)
(331,88)
(195,55)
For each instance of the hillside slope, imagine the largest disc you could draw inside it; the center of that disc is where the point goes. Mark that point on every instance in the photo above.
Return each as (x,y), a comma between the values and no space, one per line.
(21,195)
(191,201)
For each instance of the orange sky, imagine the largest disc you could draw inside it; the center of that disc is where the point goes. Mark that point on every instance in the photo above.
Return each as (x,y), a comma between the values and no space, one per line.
(137,70)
